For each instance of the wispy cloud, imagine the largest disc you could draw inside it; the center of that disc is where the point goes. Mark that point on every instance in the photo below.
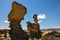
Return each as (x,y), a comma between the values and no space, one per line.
(5,28)
(6,21)
(39,21)
(56,26)
(41,17)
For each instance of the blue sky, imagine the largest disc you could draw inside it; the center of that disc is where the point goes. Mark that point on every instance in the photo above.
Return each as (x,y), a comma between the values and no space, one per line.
(49,8)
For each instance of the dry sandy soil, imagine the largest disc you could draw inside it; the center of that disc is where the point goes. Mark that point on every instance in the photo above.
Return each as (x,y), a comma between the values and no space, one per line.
(45,36)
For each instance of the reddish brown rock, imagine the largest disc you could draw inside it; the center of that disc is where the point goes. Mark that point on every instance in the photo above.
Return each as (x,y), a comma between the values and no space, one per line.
(34,29)
(15,16)
(17,13)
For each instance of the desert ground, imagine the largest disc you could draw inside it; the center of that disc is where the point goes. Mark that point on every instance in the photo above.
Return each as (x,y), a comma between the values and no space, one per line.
(45,36)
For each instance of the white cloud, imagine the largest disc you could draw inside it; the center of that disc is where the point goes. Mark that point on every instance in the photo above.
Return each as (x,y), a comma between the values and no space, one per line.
(41,16)
(24,27)
(40,21)
(4,28)
(6,21)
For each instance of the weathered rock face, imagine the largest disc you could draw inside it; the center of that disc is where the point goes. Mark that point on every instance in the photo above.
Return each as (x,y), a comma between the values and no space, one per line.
(15,16)
(35,19)
(17,13)
(34,28)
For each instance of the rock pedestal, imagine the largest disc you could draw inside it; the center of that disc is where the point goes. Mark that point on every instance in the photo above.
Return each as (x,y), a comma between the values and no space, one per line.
(15,16)
(34,28)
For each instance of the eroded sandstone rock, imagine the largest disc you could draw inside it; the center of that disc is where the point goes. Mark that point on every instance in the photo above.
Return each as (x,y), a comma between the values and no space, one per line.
(34,28)
(15,16)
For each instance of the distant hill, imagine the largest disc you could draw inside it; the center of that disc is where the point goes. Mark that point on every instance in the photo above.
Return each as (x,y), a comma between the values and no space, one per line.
(51,29)
(43,30)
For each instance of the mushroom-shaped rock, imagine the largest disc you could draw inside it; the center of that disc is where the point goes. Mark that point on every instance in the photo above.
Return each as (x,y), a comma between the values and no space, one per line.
(17,13)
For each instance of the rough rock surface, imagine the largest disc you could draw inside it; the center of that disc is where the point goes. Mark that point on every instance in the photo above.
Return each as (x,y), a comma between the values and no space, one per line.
(15,16)
(51,36)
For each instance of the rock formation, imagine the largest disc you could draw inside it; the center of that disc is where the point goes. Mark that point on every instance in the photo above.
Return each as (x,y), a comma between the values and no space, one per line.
(34,28)
(51,36)
(15,16)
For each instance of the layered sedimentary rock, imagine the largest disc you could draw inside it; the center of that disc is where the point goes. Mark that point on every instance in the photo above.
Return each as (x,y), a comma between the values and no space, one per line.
(15,16)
